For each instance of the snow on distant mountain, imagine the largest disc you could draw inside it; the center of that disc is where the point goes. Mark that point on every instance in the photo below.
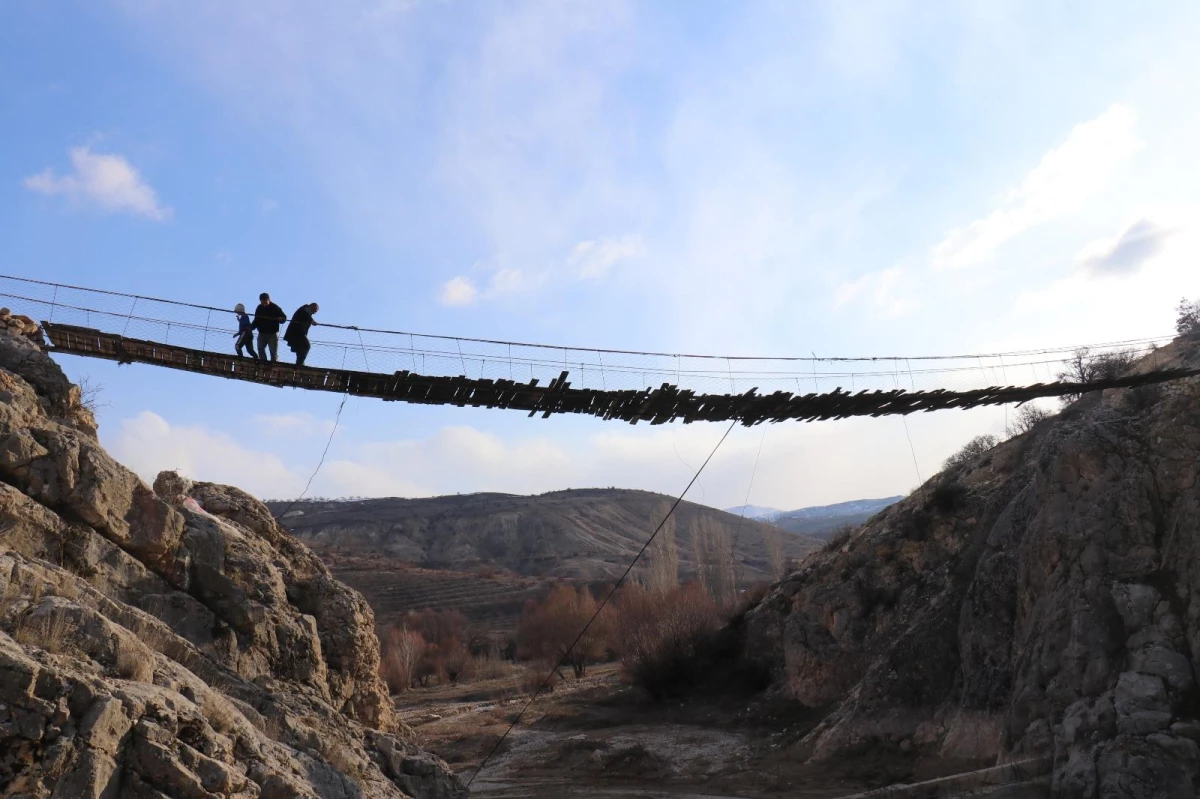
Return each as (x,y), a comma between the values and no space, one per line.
(756,512)
(818,520)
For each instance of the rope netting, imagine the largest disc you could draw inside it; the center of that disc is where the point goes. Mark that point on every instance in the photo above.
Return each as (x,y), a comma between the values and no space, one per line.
(343,346)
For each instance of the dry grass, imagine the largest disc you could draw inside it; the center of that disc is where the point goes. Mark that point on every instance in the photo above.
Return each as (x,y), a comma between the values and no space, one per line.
(488,668)
(50,633)
(344,759)
(131,666)
(218,712)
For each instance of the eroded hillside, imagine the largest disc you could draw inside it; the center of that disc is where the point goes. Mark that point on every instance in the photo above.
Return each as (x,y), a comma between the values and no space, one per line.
(174,641)
(1042,600)
(589,534)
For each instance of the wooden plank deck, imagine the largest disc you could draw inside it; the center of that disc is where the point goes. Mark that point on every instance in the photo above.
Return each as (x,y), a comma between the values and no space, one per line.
(661,405)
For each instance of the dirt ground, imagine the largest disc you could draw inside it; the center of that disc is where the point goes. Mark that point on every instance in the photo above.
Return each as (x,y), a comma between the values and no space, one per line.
(596,737)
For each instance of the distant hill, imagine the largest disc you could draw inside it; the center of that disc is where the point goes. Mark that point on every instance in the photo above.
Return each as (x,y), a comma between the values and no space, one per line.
(487,554)
(819,521)
(588,534)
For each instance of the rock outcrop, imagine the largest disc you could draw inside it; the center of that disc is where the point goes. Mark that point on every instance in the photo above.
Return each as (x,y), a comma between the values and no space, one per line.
(1041,600)
(174,641)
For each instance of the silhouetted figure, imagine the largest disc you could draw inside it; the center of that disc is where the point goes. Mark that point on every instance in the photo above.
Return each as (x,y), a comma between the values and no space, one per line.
(245,333)
(296,334)
(267,318)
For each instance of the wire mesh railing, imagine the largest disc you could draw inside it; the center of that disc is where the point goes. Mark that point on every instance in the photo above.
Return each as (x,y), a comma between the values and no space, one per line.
(360,348)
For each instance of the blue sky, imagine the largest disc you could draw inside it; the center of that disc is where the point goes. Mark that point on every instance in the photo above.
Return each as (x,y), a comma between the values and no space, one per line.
(767,177)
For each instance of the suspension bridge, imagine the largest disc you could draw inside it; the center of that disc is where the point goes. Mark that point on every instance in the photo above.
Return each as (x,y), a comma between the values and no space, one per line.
(631,386)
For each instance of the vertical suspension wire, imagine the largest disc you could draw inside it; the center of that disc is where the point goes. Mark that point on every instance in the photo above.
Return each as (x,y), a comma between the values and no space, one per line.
(908,435)
(54,303)
(129,317)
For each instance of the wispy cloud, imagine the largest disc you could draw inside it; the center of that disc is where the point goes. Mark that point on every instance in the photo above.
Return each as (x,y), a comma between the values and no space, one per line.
(594,259)
(1127,253)
(292,425)
(1062,181)
(878,289)
(106,181)
(458,292)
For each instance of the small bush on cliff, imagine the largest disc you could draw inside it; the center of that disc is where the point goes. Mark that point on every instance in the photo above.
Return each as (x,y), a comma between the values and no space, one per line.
(663,637)
(971,450)
(1187,317)
(840,537)
(1026,418)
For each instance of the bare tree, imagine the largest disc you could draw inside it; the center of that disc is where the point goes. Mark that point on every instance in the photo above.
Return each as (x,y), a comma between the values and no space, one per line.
(1187,319)
(402,653)
(556,629)
(972,449)
(714,560)
(1084,367)
(773,545)
(1026,419)
(664,556)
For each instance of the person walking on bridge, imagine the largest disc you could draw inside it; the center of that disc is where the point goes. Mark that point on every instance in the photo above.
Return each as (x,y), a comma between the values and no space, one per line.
(245,333)
(267,318)
(296,334)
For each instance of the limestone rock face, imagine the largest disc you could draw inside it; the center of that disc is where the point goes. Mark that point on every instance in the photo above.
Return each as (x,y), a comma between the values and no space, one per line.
(1042,600)
(174,641)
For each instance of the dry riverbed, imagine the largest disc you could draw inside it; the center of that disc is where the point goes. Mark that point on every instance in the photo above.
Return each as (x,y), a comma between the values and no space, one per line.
(596,737)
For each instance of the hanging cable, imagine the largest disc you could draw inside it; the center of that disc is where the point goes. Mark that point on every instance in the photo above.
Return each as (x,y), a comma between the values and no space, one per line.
(336,420)
(599,609)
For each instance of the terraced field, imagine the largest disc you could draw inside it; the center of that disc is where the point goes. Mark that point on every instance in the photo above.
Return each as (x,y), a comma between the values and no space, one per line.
(491,602)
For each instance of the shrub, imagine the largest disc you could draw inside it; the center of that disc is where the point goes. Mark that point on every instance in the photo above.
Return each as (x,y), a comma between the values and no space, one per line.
(1083,367)
(1026,418)
(662,637)
(1187,319)
(538,677)
(839,538)
(456,660)
(971,450)
(548,630)
(948,496)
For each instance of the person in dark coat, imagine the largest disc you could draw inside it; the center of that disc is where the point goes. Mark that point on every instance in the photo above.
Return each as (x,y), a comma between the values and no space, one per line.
(296,334)
(267,318)
(245,333)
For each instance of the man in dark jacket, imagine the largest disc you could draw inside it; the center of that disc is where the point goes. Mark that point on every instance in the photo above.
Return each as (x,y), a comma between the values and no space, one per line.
(267,318)
(296,335)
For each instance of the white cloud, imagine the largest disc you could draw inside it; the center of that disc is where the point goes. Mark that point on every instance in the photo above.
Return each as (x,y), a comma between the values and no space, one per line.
(148,444)
(459,291)
(877,288)
(292,425)
(1062,181)
(1126,253)
(108,182)
(1148,267)
(461,458)
(594,258)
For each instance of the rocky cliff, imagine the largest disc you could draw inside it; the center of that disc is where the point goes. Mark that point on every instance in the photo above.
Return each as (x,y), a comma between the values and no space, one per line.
(172,641)
(1042,600)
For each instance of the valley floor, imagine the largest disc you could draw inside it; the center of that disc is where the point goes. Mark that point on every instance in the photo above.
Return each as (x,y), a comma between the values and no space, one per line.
(596,737)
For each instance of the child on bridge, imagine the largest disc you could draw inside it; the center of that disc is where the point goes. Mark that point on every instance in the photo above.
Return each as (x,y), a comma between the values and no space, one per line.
(245,332)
